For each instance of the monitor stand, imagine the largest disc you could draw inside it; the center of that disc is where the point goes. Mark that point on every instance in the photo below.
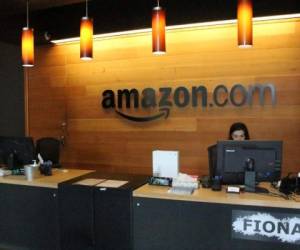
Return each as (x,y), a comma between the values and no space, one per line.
(249,181)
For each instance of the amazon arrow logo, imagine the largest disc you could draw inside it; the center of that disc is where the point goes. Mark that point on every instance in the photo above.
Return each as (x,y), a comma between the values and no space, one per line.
(163,112)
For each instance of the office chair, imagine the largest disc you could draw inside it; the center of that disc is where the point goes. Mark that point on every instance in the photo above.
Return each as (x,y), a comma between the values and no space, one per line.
(49,149)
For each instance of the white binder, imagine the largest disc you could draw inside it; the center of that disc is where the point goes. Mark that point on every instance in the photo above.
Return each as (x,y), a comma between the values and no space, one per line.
(165,163)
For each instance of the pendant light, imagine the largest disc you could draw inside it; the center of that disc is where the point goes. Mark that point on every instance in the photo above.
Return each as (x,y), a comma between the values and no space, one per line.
(86,36)
(244,16)
(27,43)
(158,30)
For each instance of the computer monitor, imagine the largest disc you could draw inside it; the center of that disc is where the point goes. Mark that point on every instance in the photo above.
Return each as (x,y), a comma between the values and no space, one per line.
(228,159)
(15,152)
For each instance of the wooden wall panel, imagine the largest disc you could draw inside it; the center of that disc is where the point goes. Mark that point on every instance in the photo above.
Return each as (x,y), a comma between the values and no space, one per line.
(62,88)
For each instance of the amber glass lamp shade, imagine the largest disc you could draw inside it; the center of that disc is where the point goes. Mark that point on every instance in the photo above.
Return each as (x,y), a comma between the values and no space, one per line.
(27,47)
(158,31)
(86,38)
(244,16)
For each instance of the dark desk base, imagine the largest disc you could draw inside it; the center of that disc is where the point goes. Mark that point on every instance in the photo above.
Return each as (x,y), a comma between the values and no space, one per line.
(28,218)
(96,218)
(92,218)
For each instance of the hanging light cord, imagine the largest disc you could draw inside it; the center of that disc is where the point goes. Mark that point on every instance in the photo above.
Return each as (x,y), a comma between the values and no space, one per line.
(27,14)
(157,3)
(86,8)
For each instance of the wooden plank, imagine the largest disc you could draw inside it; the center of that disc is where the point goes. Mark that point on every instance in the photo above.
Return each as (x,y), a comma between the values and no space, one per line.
(100,125)
(63,88)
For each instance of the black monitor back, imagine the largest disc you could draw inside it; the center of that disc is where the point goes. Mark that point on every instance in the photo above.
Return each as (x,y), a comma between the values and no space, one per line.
(230,157)
(49,148)
(20,148)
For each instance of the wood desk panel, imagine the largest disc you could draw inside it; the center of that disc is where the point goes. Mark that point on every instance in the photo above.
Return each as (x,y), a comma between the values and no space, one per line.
(63,88)
(209,196)
(58,176)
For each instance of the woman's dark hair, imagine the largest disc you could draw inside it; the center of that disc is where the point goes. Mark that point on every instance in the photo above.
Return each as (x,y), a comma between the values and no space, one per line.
(238,126)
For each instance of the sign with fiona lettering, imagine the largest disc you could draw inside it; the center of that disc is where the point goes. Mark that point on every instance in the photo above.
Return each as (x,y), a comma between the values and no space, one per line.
(262,226)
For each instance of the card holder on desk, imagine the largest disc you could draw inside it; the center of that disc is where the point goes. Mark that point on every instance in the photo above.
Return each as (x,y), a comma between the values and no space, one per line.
(160,181)
(181,190)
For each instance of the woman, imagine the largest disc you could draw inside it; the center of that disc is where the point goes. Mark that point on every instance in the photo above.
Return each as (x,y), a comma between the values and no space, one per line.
(238,132)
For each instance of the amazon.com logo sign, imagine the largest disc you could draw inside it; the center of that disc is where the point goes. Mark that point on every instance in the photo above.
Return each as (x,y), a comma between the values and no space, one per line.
(182,97)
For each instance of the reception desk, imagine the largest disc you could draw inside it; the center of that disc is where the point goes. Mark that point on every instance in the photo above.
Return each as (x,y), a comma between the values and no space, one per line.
(70,210)
(59,212)
(29,217)
(214,220)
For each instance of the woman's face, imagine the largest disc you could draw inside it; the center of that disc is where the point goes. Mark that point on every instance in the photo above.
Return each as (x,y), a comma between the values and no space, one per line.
(238,135)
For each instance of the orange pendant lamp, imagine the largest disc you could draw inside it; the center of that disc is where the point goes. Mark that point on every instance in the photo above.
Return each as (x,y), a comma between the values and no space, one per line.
(244,16)
(86,36)
(27,44)
(158,30)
